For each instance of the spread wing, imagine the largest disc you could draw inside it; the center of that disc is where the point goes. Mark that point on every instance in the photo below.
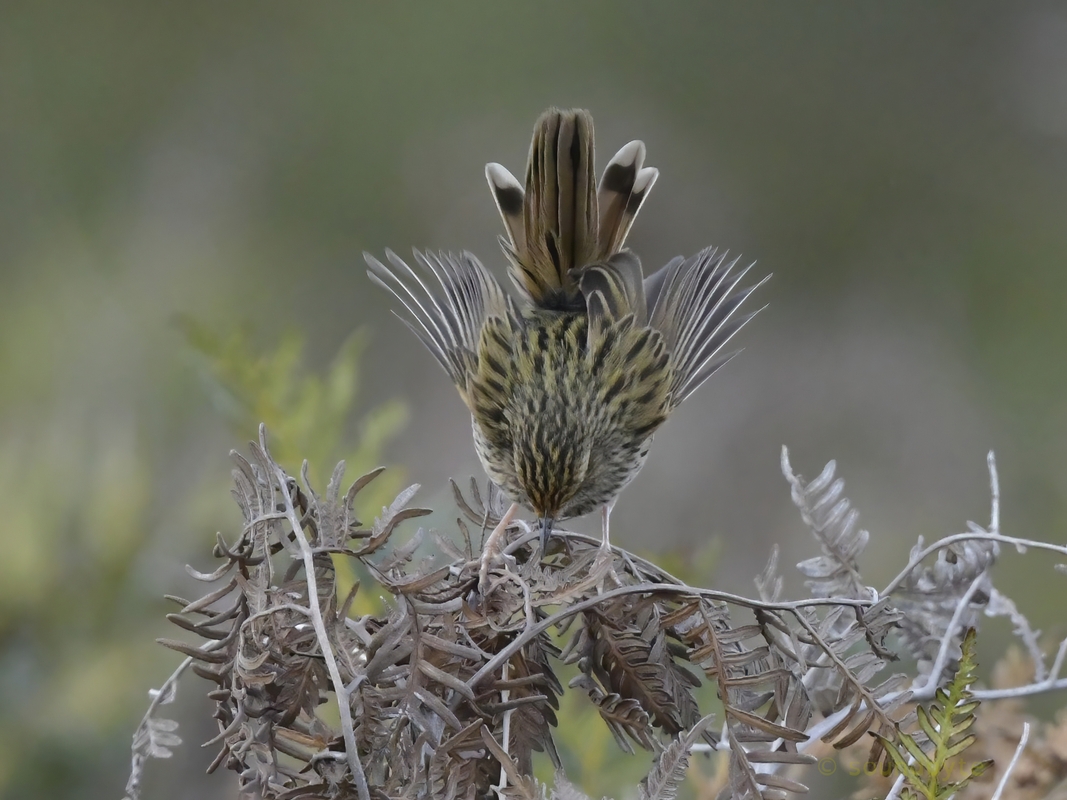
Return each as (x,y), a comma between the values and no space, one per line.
(448,321)
(692,303)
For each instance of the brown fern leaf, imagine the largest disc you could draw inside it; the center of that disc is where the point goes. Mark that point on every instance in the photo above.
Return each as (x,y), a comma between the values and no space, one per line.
(624,716)
(625,650)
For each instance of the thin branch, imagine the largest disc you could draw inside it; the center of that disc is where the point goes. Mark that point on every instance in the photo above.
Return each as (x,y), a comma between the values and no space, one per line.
(934,677)
(681,590)
(268,612)
(994,493)
(979,535)
(894,790)
(927,692)
(1011,765)
(847,676)
(1020,691)
(343,707)
(1057,663)
(505,695)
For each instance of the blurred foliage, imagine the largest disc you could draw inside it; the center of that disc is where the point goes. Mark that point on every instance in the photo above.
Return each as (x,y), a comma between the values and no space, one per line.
(73,539)
(307,416)
(72,557)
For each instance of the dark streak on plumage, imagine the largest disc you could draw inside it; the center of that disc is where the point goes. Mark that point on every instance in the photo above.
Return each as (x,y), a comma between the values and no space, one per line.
(614,389)
(576,147)
(542,338)
(647,397)
(617,178)
(509,198)
(495,366)
(603,346)
(648,371)
(634,203)
(494,414)
(638,346)
(553,252)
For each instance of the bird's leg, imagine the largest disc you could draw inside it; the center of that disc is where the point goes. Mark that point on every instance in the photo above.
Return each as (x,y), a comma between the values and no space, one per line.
(494,546)
(605,559)
(605,521)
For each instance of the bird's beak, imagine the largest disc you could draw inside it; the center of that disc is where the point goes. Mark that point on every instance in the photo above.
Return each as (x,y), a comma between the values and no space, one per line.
(546,531)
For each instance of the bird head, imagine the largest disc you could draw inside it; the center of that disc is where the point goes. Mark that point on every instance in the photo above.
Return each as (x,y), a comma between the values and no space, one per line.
(551,474)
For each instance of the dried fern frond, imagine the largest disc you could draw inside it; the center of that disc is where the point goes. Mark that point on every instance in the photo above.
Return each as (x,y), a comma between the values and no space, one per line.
(450,689)
(446,691)
(951,592)
(155,735)
(669,768)
(832,521)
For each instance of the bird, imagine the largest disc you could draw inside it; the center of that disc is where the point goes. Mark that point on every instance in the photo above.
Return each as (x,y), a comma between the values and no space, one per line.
(567,382)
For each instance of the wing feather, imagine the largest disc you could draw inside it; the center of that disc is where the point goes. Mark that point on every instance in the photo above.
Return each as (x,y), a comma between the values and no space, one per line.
(448,321)
(612,290)
(692,302)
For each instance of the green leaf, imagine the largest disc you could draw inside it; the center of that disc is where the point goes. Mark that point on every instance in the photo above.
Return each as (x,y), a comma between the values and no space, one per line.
(916,752)
(944,721)
(309,415)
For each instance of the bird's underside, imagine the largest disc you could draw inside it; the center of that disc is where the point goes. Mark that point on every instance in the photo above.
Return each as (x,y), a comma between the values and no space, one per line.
(570,437)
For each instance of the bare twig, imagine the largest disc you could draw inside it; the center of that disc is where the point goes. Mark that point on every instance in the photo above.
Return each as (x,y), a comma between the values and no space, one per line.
(677,590)
(978,535)
(938,668)
(343,707)
(1011,765)
(994,493)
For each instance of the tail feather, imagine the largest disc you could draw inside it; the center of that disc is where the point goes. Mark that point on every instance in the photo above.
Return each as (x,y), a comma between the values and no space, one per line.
(509,196)
(560,181)
(623,189)
(562,222)
(613,290)
(655,282)
(559,210)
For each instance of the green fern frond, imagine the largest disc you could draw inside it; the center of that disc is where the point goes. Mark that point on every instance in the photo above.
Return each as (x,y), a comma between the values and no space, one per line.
(309,415)
(946,723)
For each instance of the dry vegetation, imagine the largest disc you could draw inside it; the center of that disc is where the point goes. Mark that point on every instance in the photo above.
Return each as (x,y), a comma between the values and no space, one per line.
(448,692)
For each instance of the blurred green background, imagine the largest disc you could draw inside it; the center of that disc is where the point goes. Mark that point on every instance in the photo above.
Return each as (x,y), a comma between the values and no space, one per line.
(186,190)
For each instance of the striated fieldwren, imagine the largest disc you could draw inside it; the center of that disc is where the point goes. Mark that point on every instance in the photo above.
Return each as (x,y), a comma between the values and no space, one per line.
(567,385)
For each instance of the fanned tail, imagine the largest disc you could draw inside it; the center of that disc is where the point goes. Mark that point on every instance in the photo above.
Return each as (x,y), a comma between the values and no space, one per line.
(562,221)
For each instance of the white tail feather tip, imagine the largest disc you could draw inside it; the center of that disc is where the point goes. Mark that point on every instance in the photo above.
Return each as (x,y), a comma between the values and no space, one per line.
(644,180)
(632,153)
(499,177)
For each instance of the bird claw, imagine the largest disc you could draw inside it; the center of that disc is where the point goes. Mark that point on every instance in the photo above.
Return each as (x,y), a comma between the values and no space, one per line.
(490,559)
(603,568)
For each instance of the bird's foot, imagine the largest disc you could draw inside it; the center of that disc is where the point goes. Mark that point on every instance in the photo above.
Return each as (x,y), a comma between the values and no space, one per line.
(604,569)
(493,550)
(489,560)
